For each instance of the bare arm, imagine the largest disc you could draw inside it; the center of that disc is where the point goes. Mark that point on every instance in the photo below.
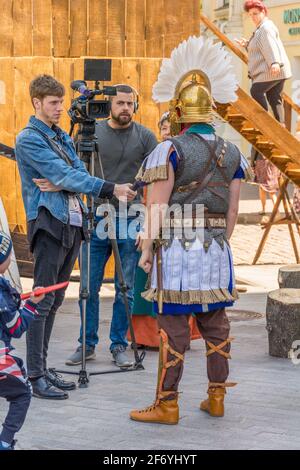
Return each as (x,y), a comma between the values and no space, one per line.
(157,202)
(234,196)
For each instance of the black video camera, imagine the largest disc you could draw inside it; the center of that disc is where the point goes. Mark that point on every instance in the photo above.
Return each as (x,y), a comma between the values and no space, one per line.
(86,109)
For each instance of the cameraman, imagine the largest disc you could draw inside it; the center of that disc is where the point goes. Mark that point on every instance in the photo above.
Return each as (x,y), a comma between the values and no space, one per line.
(52,178)
(123,145)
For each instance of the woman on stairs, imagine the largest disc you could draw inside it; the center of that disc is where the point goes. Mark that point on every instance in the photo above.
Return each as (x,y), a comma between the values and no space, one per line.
(269,67)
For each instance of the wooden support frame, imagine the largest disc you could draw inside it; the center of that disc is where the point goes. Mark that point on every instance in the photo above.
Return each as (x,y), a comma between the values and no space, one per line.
(291,218)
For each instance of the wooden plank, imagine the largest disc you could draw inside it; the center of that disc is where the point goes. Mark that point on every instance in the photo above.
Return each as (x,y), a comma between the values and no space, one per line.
(150,112)
(60,28)
(97,42)
(42,10)
(191,18)
(7,113)
(20,210)
(63,70)
(173,25)
(6,30)
(154,28)
(270,128)
(78,70)
(22,25)
(117,71)
(135,28)
(78,28)
(116,28)
(25,71)
(131,76)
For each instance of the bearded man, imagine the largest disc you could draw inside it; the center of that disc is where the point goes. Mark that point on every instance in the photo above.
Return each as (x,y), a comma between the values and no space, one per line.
(123,146)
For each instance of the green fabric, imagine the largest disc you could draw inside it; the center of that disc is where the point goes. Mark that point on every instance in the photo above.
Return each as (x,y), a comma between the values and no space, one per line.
(201,128)
(140,305)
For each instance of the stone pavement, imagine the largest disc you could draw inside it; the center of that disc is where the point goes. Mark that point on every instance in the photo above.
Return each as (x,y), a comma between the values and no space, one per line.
(262,412)
(278,248)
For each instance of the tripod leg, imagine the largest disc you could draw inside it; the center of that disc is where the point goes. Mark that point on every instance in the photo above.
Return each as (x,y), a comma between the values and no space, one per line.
(84,293)
(123,285)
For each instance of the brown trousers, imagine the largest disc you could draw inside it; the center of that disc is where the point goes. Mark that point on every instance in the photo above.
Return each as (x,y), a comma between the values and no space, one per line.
(214,328)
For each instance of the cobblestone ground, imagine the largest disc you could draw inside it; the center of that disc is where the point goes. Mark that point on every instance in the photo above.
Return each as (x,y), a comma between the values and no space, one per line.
(262,412)
(278,248)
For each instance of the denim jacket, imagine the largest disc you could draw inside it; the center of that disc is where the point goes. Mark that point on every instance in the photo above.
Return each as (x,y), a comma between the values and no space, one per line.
(36,159)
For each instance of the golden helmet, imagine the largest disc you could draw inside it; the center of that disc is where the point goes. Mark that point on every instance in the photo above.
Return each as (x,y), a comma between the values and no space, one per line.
(192,101)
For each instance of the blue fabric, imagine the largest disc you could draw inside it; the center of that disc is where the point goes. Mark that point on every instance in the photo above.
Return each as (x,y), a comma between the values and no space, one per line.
(9,305)
(179,309)
(239,174)
(100,253)
(18,395)
(174,160)
(5,247)
(201,128)
(36,159)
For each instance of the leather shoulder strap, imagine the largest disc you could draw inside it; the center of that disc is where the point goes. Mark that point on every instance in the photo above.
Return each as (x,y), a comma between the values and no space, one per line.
(212,151)
(206,175)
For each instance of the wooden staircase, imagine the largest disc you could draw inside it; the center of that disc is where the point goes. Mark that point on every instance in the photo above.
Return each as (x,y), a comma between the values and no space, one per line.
(256,125)
(264,133)
(268,137)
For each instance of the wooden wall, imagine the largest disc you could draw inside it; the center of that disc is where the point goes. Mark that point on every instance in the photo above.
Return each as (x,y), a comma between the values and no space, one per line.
(53,36)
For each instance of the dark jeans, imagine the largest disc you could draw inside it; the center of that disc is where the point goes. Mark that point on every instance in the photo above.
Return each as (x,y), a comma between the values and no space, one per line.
(52,264)
(100,253)
(264,92)
(18,395)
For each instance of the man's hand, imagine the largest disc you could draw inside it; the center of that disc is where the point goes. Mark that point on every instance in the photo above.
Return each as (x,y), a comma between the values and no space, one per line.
(124,192)
(275,70)
(46,186)
(146,260)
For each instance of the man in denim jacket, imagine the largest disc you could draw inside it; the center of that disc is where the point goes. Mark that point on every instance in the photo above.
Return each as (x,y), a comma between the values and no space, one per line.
(52,178)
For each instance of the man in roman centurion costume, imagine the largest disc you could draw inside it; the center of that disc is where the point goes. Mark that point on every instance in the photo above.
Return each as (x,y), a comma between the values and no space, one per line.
(192,274)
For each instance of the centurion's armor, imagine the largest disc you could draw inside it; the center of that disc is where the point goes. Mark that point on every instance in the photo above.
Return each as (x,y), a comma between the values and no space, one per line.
(193,274)
(198,269)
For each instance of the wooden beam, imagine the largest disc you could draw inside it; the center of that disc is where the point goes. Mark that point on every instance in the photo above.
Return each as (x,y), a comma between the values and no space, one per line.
(271,128)
(223,38)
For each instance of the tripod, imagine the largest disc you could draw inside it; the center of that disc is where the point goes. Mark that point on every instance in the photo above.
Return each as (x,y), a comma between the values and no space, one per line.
(88,150)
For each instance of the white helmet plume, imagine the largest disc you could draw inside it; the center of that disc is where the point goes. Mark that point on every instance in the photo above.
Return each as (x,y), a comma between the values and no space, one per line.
(197,54)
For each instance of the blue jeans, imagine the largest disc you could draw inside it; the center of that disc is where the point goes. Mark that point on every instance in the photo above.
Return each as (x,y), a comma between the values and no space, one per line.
(100,253)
